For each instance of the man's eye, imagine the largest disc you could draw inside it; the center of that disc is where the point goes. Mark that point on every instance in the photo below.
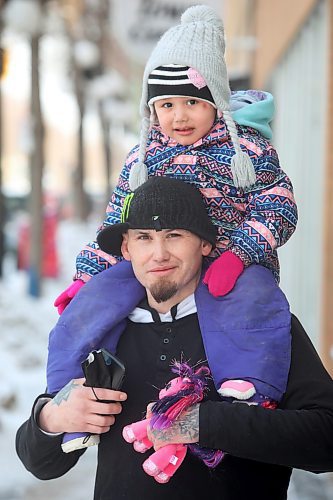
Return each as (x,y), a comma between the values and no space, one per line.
(174,235)
(143,237)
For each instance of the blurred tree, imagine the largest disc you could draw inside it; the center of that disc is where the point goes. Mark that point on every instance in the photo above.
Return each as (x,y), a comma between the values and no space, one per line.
(81,207)
(95,82)
(3,64)
(26,18)
(82,61)
(36,172)
(104,47)
(2,202)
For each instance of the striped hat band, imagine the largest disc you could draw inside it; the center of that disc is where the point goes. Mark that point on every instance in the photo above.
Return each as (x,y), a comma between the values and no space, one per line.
(175,80)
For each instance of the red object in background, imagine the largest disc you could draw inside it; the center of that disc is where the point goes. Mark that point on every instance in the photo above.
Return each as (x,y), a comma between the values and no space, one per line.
(50,261)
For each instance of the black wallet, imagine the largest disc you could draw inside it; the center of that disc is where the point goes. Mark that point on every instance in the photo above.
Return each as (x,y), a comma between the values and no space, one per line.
(103,369)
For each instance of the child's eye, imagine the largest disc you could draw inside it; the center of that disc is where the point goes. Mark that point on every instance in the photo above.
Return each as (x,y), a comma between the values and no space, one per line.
(167,105)
(191,102)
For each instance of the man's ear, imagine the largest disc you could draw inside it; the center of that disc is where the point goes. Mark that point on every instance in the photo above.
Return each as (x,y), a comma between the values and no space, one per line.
(206,248)
(124,247)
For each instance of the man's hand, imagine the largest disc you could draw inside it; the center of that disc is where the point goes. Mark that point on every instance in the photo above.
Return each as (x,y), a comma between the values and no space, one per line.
(75,409)
(184,430)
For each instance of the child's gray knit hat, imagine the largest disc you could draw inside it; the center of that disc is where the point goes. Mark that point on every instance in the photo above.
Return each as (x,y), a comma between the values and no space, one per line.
(197,42)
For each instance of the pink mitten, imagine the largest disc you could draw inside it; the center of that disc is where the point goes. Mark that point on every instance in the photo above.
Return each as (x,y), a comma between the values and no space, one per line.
(62,301)
(222,274)
(163,464)
(137,434)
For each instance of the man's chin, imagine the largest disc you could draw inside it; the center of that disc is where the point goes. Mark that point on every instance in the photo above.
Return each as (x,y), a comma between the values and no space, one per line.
(163,290)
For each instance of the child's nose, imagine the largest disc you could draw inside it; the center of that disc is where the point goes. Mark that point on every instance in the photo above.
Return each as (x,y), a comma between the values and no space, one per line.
(180,114)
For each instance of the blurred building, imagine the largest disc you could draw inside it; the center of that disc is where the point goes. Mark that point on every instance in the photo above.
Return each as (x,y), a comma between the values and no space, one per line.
(282,47)
(286,48)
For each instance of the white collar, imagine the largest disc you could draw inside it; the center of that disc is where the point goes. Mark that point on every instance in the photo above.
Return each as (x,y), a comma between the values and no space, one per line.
(184,308)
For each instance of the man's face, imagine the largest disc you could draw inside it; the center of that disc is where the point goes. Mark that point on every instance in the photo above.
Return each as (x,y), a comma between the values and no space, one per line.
(185,119)
(167,263)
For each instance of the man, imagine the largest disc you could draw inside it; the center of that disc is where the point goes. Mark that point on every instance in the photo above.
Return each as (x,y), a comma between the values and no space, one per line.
(166,233)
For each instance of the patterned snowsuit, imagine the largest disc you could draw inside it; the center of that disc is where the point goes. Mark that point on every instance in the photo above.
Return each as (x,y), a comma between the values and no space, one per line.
(251,222)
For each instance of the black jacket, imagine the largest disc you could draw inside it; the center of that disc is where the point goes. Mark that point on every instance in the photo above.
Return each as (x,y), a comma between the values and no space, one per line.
(262,445)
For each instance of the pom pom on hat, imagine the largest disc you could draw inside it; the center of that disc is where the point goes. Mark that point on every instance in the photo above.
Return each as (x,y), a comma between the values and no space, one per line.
(202,13)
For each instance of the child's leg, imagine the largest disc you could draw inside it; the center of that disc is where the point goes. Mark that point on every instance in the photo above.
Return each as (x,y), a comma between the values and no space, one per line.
(78,440)
(239,389)
(244,391)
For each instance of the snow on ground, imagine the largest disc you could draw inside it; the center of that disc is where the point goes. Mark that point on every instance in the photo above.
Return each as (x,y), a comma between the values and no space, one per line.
(25,324)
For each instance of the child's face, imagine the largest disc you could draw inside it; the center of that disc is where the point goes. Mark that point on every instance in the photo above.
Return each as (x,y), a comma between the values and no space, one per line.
(185,119)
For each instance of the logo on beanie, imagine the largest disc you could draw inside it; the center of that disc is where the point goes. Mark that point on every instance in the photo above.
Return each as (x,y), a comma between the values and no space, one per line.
(196,79)
(156,222)
(125,211)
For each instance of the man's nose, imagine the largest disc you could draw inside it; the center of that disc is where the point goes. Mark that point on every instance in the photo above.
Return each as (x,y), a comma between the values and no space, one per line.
(161,251)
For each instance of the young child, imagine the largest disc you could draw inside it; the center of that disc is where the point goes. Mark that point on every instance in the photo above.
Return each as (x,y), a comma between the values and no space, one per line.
(189,133)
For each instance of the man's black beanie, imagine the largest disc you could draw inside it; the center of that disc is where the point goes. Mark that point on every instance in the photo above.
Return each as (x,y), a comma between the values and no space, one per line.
(160,203)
